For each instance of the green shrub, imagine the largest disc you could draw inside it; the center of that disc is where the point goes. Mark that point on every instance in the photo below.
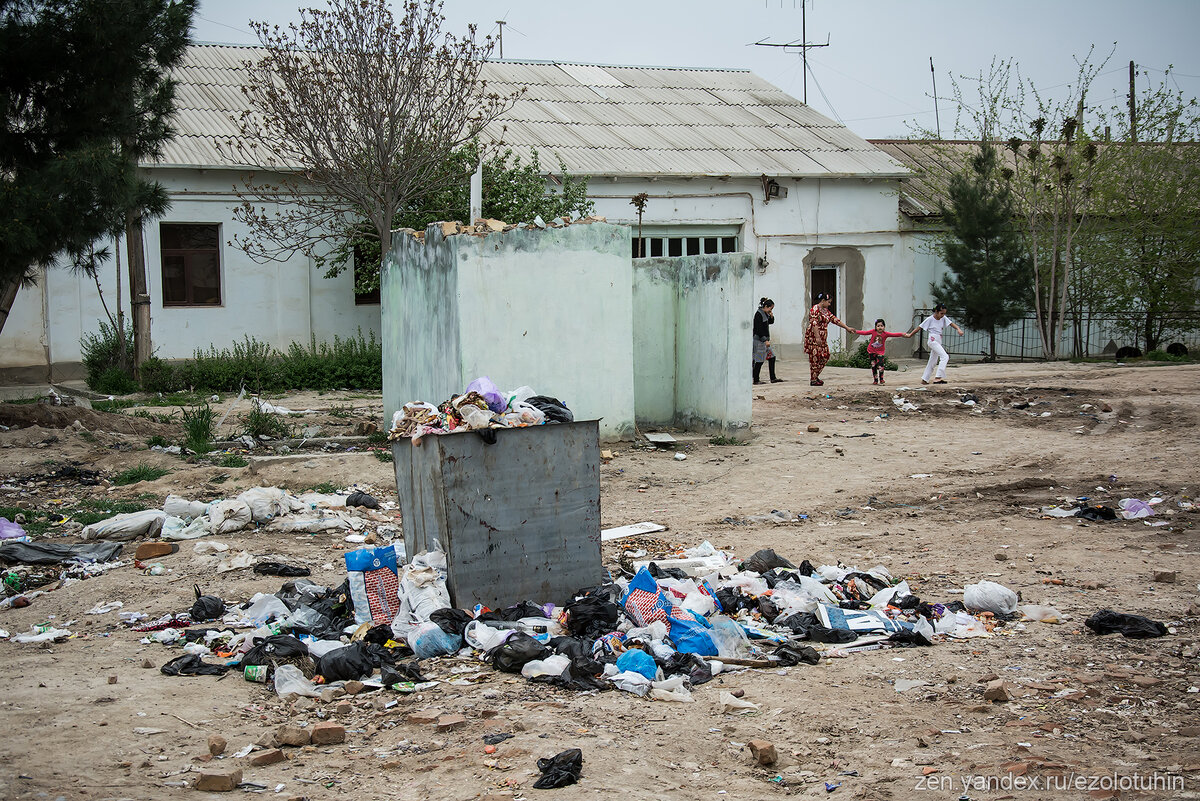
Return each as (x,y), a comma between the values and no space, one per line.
(354,363)
(1163,356)
(102,352)
(158,440)
(114,381)
(377,438)
(198,423)
(858,358)
(143,472)
(384,456)
(159,376)
(232,460)
(256,423)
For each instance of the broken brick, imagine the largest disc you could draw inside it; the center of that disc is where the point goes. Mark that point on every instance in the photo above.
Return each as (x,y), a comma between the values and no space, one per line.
(269,757)
(450,722)
(763,752)
(328,733)
(218,781)
(293,735)
(216,745)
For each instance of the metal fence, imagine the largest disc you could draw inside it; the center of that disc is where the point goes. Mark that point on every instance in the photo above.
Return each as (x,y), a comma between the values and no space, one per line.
(1093,336)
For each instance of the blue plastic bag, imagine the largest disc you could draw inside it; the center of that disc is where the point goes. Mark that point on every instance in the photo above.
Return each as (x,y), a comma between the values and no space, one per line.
(490,392)
(374,584)
(429,640)
(638,661)
(645,603)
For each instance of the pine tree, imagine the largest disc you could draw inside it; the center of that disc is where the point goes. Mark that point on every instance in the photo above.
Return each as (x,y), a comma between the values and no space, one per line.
(988,284)
(84,96)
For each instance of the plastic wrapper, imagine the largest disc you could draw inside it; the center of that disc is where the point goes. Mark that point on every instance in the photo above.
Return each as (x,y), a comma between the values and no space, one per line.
(429,640)
(289,680)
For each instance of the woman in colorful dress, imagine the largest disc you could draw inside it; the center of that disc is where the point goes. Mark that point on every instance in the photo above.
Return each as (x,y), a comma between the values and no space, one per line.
(816,334)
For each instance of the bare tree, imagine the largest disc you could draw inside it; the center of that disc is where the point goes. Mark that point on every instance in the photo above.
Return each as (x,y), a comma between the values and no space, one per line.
(1051,166)
(354,115)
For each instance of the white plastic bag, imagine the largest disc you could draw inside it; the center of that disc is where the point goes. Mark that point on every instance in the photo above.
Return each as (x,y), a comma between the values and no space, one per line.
(1042,614)
(176,528)
(268,502)
(631,682)
(263,606)
(175,506)
(672,689)
(988,596)
(422,591)
(289,680)
(729,637)
(318,648)
(483,637)
(520,395)
(740,706)
(555,665)
(237,561)
(226,517)
(889,594)
(126,526)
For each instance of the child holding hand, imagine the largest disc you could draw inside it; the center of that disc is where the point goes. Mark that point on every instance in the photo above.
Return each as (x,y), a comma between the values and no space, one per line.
(875,347)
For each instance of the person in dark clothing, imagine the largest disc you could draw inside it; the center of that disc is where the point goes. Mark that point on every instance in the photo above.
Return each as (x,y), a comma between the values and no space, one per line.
(762,340)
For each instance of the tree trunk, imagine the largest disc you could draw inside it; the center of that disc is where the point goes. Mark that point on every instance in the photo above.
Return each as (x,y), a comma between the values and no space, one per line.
(139,298)
(7,295)
(992,338)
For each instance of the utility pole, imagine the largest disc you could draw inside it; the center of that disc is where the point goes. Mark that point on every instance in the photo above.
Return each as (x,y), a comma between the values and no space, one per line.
(802,46)
(936,115)
(1132,104)
(501,23)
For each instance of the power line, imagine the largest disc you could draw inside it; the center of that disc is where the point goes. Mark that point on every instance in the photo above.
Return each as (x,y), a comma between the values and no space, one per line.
(832,110)
(223,25)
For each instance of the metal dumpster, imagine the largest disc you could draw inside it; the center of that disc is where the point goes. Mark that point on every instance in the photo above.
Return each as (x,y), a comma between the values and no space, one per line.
(518,520)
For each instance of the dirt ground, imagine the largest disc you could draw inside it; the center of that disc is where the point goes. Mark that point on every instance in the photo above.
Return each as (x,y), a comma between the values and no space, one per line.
(943,496)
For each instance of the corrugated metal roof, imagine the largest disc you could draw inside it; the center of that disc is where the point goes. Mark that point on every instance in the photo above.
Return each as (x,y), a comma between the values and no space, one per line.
(599,120)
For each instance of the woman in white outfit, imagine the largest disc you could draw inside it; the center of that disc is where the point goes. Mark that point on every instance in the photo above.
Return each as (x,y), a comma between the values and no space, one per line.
(934,325)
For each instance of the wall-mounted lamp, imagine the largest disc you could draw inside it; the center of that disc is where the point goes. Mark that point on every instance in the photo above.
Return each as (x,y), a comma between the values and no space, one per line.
(772,189)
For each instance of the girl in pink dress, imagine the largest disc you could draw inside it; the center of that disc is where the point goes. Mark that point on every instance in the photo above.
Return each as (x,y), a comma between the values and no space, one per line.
(875,348)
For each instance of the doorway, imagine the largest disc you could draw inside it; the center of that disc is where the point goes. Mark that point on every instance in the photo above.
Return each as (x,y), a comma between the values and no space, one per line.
(823,278)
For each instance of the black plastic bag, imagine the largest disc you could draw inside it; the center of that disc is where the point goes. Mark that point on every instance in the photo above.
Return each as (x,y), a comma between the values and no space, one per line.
(362,499)
(512,654)
(401,672)
(355,661)
(561,770)
(806,626)
(667,572)
(819,633)
(580,653)
(192,665)
(518,611)
(799,623)
(733,600)
(806,568)
(276,648)
(690,665)
(1096,513)
(555,410)
(855,605)
(452,621)
(908,638)
(790,654)
(206,607)
(768,610)
(1135,627)
(280,569)
(591,617)
(776,575)
(764,560)
(908,602)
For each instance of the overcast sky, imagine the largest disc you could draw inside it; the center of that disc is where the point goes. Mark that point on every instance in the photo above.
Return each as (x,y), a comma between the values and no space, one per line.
(874,76)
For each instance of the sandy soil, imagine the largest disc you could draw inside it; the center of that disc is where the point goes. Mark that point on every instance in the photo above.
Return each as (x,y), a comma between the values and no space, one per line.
(70,732)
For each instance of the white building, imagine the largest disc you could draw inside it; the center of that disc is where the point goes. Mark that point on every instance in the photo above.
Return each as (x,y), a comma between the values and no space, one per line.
(729,162)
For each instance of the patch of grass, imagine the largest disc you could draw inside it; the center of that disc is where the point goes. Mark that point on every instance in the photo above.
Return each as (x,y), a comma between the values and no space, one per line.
(142,472)
(325,488)
(384,456)
(21,401)
(377,438)
(232,460)
(88,436)
(256,423)
(340,410)
(143,413)
(221,479)
(1163,356)
(198,423)
(158,440)
(721,439)
(31,525)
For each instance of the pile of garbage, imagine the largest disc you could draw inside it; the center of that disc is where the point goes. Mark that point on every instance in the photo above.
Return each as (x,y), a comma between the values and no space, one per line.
(483,406)
(1087,508)
(673,625)
(267,507)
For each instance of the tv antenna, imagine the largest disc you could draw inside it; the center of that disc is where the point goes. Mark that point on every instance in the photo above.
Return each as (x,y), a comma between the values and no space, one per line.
(802,44)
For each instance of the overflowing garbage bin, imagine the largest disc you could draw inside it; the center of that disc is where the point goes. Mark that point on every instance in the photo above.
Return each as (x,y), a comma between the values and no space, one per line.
(515,510)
